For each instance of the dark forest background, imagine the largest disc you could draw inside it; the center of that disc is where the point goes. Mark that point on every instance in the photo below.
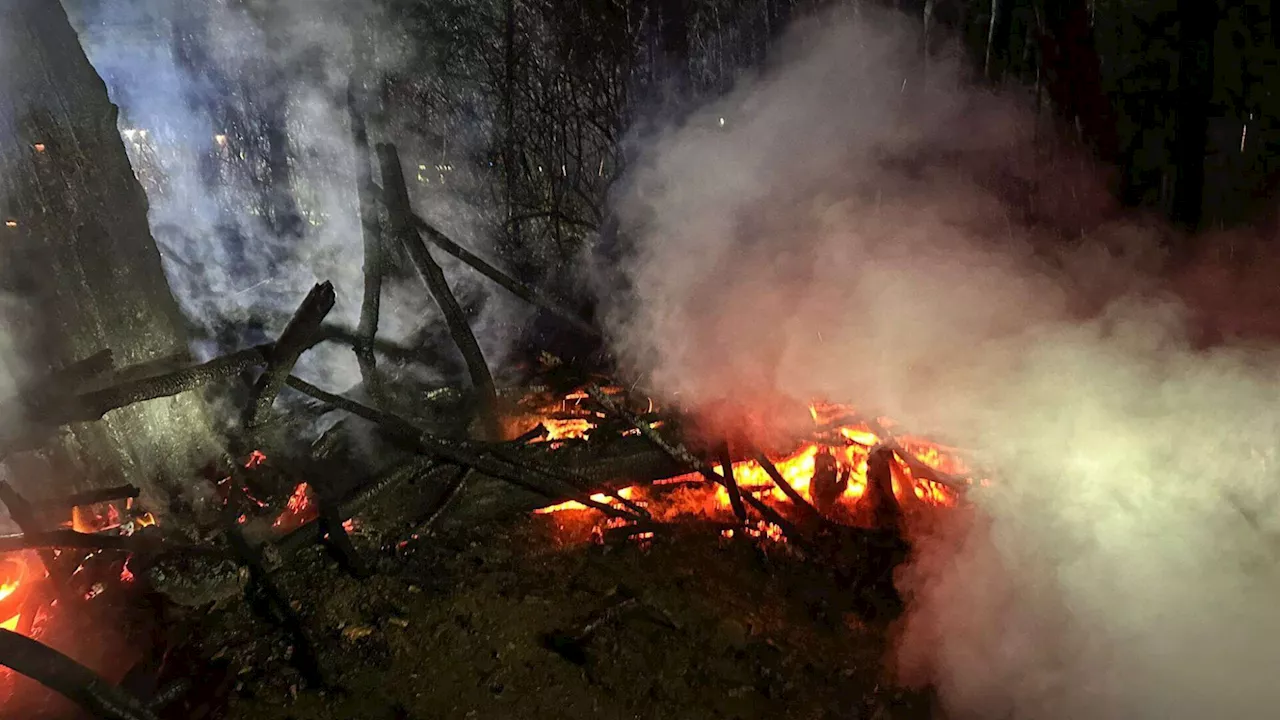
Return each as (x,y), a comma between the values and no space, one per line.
(533,109)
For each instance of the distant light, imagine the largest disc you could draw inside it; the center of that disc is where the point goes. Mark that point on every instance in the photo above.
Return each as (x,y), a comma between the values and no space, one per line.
(422,167)
(11,223)
(39,147)
(721,122)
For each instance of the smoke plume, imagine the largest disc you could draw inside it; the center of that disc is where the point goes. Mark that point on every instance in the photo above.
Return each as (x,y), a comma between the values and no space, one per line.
(841,227)
(206,90)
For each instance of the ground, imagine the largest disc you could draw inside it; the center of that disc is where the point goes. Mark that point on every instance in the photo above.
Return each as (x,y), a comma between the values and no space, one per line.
(460,625)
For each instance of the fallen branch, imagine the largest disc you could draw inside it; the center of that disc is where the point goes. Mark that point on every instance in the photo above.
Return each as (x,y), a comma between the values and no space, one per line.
(399,213)
(293,341)
(515,287)
(452,452)
(68,677)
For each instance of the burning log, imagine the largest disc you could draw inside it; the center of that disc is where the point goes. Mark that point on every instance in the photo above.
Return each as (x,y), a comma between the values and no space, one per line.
(400,212)
(731,484)
(453,452)
(772,471)
(885,510)
(682,454)
(515,287)
(68,677)
(293,340)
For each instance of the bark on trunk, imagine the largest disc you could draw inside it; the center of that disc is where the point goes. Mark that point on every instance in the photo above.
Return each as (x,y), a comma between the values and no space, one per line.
(80,269)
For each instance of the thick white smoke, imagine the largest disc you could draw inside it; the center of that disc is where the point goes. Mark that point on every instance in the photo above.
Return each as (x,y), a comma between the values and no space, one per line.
(839,228)
(228,265)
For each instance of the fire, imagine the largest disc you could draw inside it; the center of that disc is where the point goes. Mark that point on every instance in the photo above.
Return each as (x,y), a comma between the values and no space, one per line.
(12,573)
(848,441)
(298,510)
(567,428)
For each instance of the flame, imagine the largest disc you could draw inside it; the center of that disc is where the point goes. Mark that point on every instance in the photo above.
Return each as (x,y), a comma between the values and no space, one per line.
(12,572)
(567,428)
(299,509)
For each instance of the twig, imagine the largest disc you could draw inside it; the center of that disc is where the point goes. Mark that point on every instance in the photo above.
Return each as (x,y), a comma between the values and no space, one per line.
(731,483)
(399,214)
(293,340)
(451,452)
(515,287)
(68,677)
(451,492)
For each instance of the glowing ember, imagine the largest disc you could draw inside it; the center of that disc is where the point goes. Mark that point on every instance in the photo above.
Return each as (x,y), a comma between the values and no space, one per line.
(256,458)
(298,510)
(566,429)
(12,573)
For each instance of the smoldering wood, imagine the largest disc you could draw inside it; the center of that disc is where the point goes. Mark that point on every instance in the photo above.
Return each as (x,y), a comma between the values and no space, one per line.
(331,519)
(454,452)
(69,678)
(731,483)
(681,454)
(305,657)
(399,217)
(284,354)
(510,284)
(568,477)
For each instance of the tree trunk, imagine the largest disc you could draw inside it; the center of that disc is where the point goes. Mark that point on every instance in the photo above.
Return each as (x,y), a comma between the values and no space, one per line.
(80,269)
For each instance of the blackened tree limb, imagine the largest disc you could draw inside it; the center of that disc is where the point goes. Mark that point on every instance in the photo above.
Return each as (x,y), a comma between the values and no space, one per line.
(731,483)
(568,477)
(93,405)
(681,454)
(68,677)
(452,452)
(293,341)
(510,284)
(399,216)
(371,232)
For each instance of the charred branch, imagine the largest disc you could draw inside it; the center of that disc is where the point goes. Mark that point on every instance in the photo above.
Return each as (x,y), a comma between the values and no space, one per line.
(400,214)
(293,341)
(794,495)
(68,677)
(731,483)
(510,284)
(90,497)
(450,451)
(371,234)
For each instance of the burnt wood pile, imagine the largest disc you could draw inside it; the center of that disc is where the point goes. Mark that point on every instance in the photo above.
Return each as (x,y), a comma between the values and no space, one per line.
(226,548)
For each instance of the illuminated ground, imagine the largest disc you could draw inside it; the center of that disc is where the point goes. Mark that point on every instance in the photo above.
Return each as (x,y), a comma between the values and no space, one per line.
(456,627)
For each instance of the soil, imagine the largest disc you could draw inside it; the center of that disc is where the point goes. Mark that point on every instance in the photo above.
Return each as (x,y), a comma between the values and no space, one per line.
(478,622)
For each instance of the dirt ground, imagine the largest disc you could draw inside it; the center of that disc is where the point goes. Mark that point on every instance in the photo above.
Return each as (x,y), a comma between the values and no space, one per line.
(480,623)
